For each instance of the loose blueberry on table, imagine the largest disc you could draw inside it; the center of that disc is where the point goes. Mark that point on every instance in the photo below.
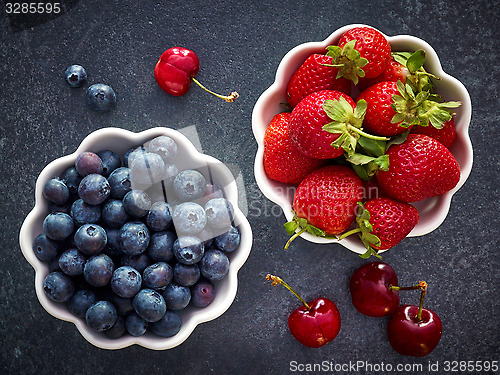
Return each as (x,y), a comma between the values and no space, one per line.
(314,324)
(124,263)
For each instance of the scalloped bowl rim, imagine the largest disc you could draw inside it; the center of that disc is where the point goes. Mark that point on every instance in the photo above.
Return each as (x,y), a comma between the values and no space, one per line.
(196,316)
(264,110)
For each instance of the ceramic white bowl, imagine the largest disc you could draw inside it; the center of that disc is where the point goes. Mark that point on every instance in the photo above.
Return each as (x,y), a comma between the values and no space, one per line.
(433,210)
(120,141)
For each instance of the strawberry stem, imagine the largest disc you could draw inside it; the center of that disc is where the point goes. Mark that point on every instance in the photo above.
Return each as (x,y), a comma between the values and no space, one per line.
(228,98)
(275,280)
(294,237)
(367,135)
(347,234)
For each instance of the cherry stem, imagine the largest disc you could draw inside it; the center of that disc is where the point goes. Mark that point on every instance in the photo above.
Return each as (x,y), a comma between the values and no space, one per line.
(422,296)
(275,280)
(366,135)
(294,237)
(229,98)
(347,234)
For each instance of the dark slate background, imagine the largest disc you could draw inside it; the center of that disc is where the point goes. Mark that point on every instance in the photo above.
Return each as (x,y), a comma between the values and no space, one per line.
(240,45)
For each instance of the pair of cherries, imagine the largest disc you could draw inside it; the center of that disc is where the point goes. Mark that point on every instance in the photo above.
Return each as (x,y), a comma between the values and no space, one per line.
(175,70)
(411,330)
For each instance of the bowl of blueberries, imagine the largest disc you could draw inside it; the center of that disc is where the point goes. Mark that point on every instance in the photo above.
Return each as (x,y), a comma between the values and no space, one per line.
(136,238)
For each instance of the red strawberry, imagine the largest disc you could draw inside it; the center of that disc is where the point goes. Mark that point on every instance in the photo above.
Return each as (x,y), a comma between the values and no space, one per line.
(327,198)
(282,162)
(312,76)
(394,71)
(446,135)
(419,168)
(379,111)
(371,45)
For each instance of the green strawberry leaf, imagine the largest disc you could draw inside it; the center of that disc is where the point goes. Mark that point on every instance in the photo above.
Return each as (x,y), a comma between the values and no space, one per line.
(416,61)
(348,61)
(361,172)
(301,224)
(291,227)
(371,146)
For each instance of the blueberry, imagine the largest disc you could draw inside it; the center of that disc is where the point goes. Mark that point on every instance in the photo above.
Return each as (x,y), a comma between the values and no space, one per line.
(137,203)
(157,276)
(146,167)
(118,329)
(220,213)
(58,287)
(186,275)
(169,174)
(139,262)
(169,325)
(136,325)
(58,226)
(71,179)
(164,146)
(101,316)
(114,213)
(202,293)
(110,161)
(134,237)
(228,241)
(149,305)
(188,249)
(159,216)
(123,306)
(94,189)
(113,247)
(90,239)
(56,191)
(81,301)
(214,265)
(213,191)
(101,97)
(189,218)
(88,163)
(119,182)
(71,262)
(176,296)
(54,265)
(161,245)
(126,281)
(189,185)
(65,208)
(98,270)
(84,213)
(44,248)
(75,75)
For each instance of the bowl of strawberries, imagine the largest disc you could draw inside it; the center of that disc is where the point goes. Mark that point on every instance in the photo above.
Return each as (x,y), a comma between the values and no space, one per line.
(362,139)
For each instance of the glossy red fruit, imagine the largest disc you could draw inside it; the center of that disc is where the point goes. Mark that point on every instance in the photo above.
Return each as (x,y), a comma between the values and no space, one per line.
(379,111)
(175,69)
(327,198)
(446,135)
(394,71)
(316,326)
(391,221)
(313,76)
(282,161)
(372,45)
(306,125)
(411,336)
(371,292)
(419,168)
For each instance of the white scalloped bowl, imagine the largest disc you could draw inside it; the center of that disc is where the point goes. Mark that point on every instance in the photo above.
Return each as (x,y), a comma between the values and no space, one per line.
(433,211)
(120,141)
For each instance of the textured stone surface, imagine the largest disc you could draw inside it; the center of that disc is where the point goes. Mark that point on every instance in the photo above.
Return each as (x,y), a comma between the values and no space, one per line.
(240,47)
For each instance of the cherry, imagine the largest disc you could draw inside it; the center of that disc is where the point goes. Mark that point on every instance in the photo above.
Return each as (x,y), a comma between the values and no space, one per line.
(314,324)
(414,330)
(175,70)
(373,289)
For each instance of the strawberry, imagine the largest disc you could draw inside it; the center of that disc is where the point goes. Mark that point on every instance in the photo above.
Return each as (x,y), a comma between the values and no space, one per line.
(361,51)
(419,168)
(379,111)
(394,71)
(282,162)
(446,135)
(327,198)
(326,123)
(313,76)
(383,223)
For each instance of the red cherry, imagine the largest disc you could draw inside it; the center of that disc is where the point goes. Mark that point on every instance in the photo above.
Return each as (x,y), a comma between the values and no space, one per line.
(412,335)
(175,70)
(371,289)
(314,324)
